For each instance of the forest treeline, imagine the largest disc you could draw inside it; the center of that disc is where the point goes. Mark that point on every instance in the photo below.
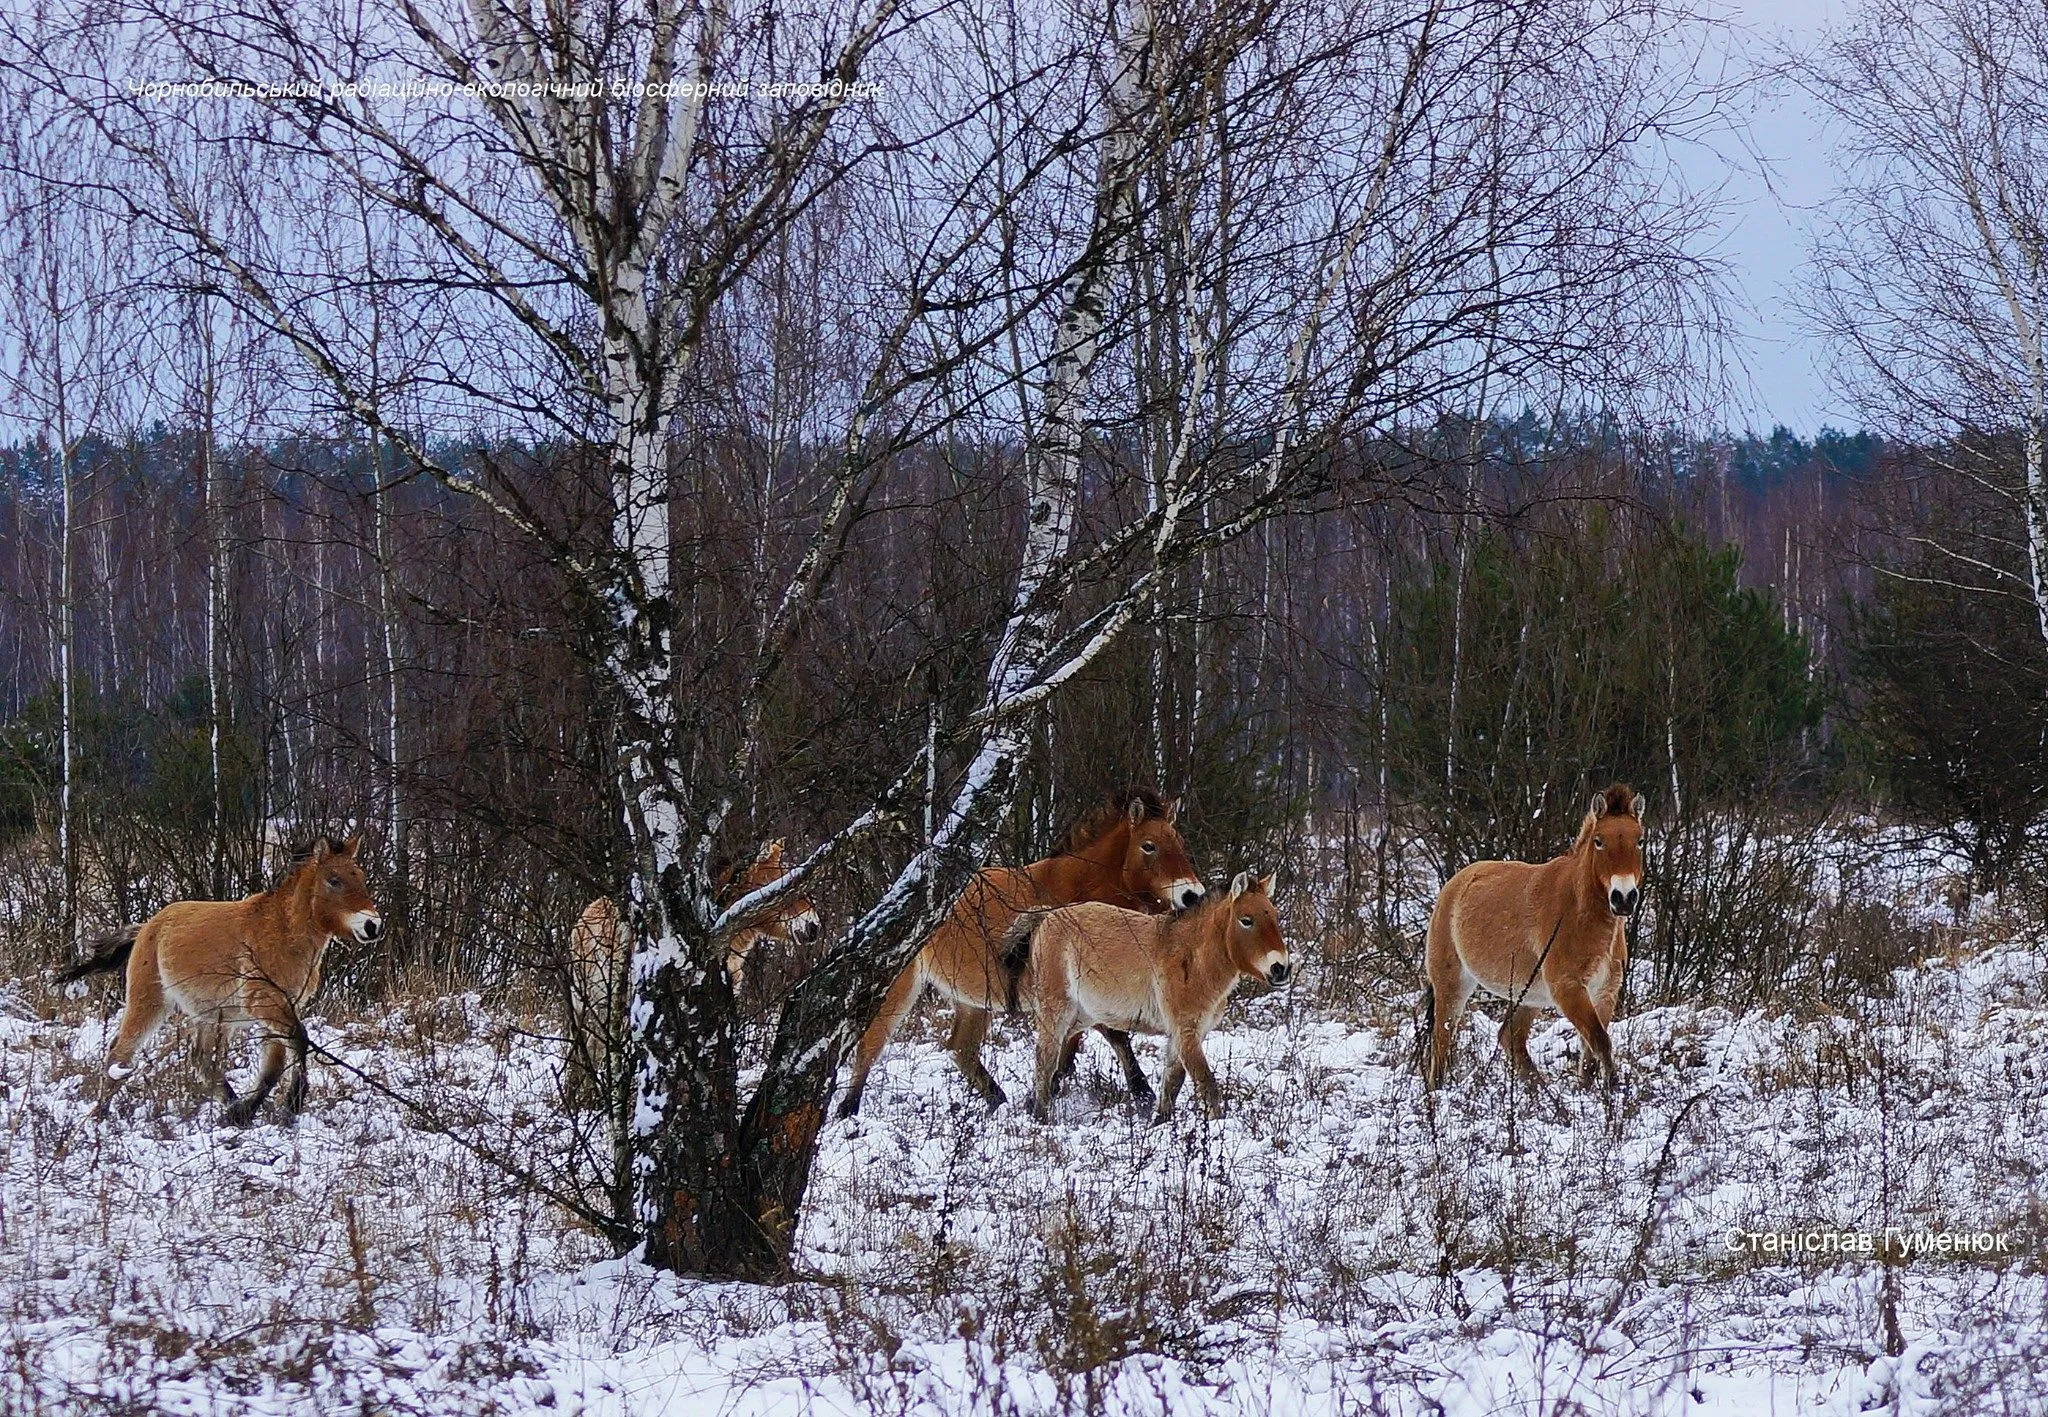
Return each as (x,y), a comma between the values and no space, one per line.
(1528,608)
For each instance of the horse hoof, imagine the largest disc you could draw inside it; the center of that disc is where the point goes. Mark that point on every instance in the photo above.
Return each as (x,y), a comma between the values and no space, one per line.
(849,1106)
(995,1097)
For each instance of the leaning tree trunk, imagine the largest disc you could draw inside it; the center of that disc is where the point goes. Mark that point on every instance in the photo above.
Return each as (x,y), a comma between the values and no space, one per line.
(827,1012)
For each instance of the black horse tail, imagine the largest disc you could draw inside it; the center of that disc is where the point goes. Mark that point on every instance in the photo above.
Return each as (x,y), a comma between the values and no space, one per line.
(1016,956)
(110,953)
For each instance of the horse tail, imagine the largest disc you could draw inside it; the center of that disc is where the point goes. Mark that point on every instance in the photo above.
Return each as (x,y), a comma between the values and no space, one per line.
(1016,956)
(1426,1022)
(110,953)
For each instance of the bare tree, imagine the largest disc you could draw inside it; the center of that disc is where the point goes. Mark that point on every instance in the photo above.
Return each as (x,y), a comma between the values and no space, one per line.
(1416,198)
(66,285)
(1932,280)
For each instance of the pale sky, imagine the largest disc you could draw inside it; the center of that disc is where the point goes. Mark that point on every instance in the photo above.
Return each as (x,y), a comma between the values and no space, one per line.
(1764,238)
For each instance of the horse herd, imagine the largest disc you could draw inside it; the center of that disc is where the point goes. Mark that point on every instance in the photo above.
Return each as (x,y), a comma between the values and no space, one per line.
(1115,933)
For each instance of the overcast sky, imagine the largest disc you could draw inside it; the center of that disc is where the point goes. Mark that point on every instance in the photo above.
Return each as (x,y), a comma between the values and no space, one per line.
(1765,236)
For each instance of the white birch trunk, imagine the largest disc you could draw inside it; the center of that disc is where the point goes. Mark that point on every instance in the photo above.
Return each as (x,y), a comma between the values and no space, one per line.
(210,530)
(67,825)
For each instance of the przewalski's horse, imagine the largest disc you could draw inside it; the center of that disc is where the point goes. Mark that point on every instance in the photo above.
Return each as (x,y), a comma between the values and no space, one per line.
(249,963)
(1097,965)
(1125,852)
(601,942)
(1541,937)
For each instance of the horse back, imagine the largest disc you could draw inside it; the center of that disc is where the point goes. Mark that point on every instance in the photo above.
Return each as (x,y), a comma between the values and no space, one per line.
(1487,921)
(210,951)
(1104,958)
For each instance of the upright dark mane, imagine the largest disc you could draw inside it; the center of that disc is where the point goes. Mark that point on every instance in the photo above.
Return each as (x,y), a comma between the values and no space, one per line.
(1619,802)
(299,856)
(1101,819)
(301,853)
(725,869)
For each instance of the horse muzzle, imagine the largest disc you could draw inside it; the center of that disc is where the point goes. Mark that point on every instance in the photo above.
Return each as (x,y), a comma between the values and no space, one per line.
(805,929)
(1280,973)
(1184,895)
(367,929)
(1623,903)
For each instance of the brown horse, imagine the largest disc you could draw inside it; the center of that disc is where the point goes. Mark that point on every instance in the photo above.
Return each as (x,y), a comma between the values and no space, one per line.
(1540,937)
(249,963)
(1125,852)
(1098,965)
(601,943)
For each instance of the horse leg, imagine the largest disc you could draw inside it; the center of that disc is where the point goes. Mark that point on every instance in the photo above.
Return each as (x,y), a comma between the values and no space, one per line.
(283,1037)
(295,1094)
(1575,1004)
(1055,1043)
(970,1027)
(1195,1063)
(1514,1041)
(1120,1043)
(896,1006)
(1448,999)
(212,1048)
(140,1014)
(1134,1076)
(1606,1001)
(1169,1083)
(1069,1055)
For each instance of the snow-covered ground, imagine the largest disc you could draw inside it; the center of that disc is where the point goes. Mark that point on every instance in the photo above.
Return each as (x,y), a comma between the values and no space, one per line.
(1336,1243)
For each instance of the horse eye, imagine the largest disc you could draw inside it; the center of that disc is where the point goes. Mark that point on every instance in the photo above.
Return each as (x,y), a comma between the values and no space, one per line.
(334,883)
(1598,844)
(1148,847)
(1245,920)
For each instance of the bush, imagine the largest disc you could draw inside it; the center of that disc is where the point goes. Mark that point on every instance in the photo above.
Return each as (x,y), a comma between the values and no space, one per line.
(1950,713)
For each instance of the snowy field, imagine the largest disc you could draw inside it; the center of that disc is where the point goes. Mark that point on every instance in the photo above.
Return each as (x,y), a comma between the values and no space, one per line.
(1334,1244)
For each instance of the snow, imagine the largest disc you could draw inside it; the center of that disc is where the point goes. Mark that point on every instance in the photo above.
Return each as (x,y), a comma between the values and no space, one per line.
(1337,1242)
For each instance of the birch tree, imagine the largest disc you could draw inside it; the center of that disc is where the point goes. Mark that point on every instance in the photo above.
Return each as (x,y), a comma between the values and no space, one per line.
(1932,282)
(577,247)
(65,293)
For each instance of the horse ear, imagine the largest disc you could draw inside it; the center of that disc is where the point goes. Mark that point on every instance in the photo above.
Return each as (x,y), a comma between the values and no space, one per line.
(1265,886)
(352,845)
(322,849)
(1635,807)
(1242,884)
(771,853)
(1172,809)
(1137,811)
(1599,807)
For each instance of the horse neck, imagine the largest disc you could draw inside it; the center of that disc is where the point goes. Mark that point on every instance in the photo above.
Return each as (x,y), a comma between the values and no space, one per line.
(1581,886)
(293,901)
(1207,945)
(1092,873)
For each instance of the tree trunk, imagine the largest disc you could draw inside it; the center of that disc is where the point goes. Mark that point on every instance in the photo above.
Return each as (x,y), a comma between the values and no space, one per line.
(708,1206)
(67,822)
(210,530)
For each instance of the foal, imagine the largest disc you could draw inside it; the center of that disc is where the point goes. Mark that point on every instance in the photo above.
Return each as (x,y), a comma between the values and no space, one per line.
(1126,852)
(249,963)
(1172,974)
(1541,937)
(601,943)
